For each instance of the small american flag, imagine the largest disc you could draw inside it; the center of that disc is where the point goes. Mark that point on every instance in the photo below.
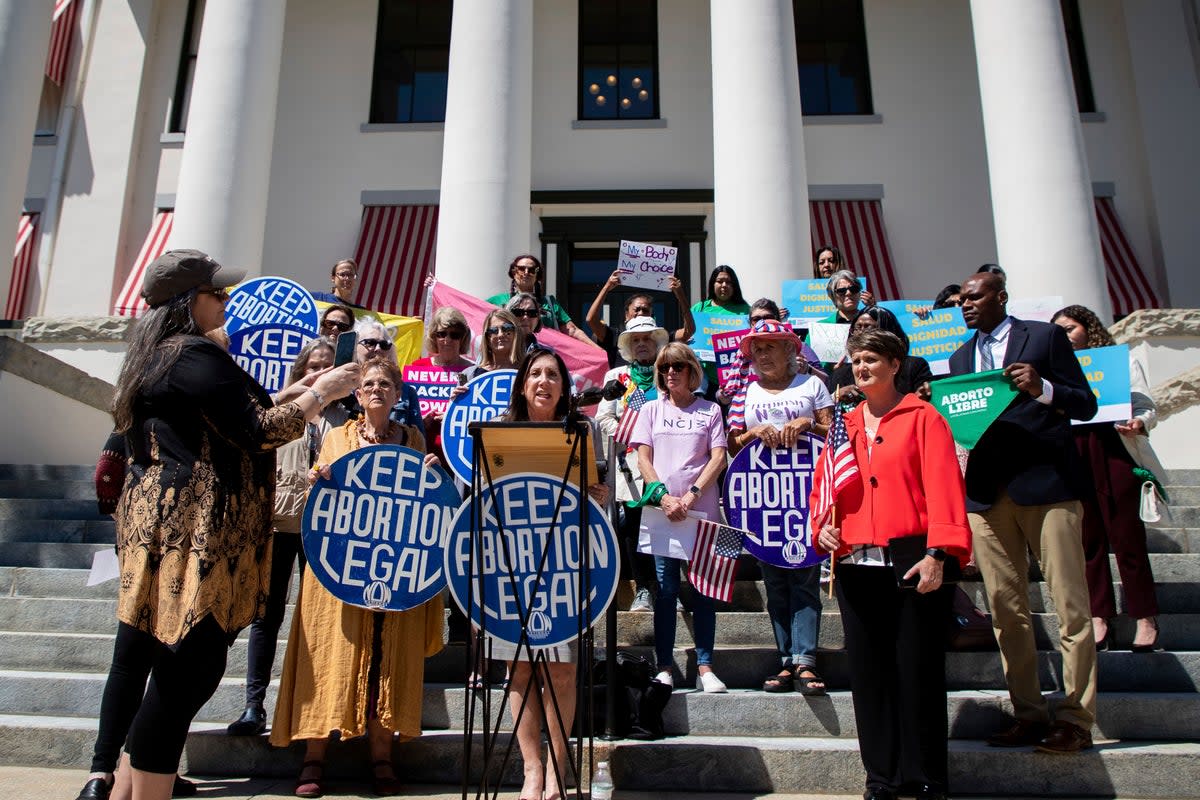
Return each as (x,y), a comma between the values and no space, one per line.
(714,561)
(836,468)
(629,417)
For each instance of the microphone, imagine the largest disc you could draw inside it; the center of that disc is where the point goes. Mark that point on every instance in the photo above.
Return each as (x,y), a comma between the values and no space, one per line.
(594,394)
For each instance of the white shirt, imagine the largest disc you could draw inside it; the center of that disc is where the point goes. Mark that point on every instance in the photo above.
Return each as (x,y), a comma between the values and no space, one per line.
(999,347)
(803,396)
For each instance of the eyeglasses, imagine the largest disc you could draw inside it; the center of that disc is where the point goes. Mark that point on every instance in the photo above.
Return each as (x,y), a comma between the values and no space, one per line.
(453,333)
(527,313)
(495,330)
(676,367)
(845,290)
(526,268)
(341,327)
(220,294)
(372,344)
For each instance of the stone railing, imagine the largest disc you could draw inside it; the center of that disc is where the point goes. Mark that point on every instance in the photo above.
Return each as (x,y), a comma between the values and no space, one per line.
(1177,329)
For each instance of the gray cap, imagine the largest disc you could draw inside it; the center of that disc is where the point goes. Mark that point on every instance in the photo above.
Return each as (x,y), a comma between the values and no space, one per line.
(179,271)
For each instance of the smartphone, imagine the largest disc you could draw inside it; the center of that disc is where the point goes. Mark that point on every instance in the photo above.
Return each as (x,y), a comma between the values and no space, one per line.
(344,353)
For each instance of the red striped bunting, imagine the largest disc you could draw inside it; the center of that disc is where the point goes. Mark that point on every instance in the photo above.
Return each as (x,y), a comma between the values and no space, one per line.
(23,264)
(395,254)
(129,301)
(59,54)
(855,227)
(1128,287)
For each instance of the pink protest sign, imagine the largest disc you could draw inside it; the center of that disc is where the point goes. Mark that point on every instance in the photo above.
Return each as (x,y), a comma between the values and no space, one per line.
(433,386)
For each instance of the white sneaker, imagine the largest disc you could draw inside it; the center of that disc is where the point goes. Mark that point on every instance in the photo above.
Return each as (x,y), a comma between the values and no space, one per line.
(665,677)
(709,683)
(641,601)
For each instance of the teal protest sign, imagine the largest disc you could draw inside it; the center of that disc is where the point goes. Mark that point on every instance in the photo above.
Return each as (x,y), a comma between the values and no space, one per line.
(971,403)
(709,323)
(934,336)
(1107,373)
(807,300)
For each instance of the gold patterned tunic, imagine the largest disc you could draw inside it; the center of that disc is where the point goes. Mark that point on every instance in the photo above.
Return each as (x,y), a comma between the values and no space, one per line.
(194,520)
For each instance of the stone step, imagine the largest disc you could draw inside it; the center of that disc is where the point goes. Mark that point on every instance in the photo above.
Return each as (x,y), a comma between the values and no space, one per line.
(1172,540)
(58,531)
(25,508)
(71,490)
(50,554)
(1184,495)
(695,764)
(1181,477)
(48,472)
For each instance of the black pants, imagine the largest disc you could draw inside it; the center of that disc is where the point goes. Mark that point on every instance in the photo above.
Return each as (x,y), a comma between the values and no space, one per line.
(286,550)
(133,655)
(181,681)
(638,566)
(895,640)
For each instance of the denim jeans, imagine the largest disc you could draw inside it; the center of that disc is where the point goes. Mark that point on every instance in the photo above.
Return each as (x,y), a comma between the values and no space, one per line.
(704,615)
(794,606)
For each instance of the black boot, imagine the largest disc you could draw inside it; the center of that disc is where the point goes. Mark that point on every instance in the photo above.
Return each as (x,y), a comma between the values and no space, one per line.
(252,722)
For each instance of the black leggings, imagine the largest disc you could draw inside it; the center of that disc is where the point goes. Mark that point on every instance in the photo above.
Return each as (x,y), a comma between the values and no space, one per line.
(181,681)
(133,655)
(286,549)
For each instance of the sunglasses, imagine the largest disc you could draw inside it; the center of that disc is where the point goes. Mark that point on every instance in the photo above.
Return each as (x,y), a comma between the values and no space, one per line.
(341,327)
(528,313)
(507,327)
(220,294)
(677,367)
(524,268)
(454,334)
(372,344)
(845,290)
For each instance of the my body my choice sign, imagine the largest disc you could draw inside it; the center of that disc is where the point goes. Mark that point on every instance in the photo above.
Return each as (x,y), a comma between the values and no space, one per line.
(517,540)
(373,533)
(647,266)
(766,493)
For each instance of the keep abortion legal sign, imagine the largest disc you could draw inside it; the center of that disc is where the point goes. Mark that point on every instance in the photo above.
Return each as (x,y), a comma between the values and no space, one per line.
(374,532)
(268,352)
(270,301)
(486,398)
(766,494)
(524,569)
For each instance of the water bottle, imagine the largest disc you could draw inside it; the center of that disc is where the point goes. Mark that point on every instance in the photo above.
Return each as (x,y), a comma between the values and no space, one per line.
(602,784)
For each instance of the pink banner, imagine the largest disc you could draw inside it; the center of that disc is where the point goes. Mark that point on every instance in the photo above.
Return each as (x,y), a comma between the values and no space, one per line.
(586,362)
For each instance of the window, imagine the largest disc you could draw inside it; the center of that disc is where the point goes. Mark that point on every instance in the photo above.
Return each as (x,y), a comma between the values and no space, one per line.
(187,67)
(831,47)
(48,108)
(412,61)
(1079,65)
(618,59)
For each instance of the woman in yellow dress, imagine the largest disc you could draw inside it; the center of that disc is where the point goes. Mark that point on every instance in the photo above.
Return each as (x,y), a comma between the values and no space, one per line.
(349,669)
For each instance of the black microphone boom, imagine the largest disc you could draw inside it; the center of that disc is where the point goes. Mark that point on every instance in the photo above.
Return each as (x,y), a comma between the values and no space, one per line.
(593,395)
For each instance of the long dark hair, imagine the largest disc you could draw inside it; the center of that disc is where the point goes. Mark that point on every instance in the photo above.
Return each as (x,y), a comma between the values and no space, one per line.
(539,293)
(737,298)
(518,406)
(1097,334)
(154,345)
(886,321)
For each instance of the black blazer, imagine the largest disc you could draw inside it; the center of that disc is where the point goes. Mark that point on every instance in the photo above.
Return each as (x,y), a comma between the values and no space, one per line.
(1029,449)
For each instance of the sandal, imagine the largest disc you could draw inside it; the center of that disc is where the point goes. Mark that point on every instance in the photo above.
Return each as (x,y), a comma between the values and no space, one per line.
(311,787)
(384,786)
(780,682)
(804,685)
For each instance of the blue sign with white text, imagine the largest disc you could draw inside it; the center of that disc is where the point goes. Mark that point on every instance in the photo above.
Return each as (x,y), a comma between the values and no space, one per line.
(934,336)
(268,352)
(374,533)
(524,568)
(709,323)
(766,493)
(486,398)
(270,301)
(1107,372)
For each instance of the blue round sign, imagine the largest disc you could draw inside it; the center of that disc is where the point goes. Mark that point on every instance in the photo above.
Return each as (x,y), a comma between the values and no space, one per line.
(374,533)
(766,493)
(270,301)
(267,352)
(486,398)
(508,562)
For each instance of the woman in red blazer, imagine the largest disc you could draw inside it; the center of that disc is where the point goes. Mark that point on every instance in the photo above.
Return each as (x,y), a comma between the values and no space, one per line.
(908,483)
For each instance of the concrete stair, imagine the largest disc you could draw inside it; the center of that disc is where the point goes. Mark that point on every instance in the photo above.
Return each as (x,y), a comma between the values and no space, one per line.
(56,637)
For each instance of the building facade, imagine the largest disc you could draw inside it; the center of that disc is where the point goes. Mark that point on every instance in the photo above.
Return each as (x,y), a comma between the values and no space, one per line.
(923,137)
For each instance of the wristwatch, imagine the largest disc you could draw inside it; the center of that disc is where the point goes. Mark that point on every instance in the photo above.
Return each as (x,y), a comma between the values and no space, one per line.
(936,553)
(694,489)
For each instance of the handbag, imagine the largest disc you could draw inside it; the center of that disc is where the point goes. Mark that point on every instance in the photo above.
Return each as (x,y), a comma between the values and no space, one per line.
(905,551)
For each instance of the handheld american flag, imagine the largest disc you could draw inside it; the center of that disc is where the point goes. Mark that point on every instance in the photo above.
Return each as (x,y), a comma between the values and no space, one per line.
(837,467)
(714,561)
(629,417)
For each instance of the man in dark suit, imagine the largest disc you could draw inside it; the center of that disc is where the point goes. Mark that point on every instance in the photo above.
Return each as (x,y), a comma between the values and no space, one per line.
(1024,485)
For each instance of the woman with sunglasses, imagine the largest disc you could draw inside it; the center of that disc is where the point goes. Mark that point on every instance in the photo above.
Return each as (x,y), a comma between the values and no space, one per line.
(846,292)
(375,341)
(336,320)
(525,275)
(524,308)
(680,442)
(446,340)
(501,345)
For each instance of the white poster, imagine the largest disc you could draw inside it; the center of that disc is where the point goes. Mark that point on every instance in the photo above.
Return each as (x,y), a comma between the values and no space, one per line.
(828,340)
(647,266)
(661,537)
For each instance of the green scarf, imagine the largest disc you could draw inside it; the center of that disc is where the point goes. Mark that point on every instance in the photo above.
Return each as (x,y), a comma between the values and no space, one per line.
(643,377)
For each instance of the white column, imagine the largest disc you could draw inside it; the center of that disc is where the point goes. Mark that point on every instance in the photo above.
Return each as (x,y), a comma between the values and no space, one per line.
(484,216)
(760,179)
(1046,236)
(24,41)
(224,176)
